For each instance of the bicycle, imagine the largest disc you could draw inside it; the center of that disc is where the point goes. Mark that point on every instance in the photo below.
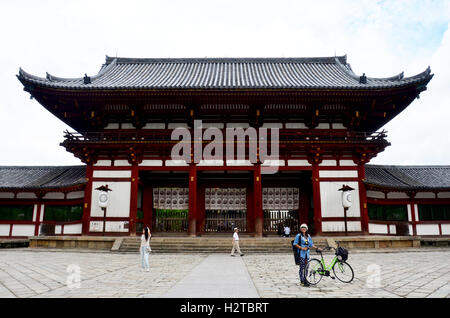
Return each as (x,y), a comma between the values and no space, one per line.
(315,269)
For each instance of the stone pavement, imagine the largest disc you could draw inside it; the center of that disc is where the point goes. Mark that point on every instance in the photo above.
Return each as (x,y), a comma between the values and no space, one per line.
(44,273)
(217,276)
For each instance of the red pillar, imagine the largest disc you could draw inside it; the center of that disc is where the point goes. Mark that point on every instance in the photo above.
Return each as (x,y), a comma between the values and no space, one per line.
(192,218)
(363,200)
(134,198)
(316,199)
(39,211)
(257,195)
(87,200)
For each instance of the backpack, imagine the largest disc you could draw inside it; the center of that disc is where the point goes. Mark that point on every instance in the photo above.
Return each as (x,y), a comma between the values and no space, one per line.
(296,253)
(343,253)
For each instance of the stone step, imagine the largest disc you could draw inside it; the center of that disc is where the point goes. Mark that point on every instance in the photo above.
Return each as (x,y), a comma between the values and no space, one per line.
(211,244)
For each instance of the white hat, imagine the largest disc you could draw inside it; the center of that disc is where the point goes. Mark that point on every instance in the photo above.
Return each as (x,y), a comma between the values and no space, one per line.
(304,225)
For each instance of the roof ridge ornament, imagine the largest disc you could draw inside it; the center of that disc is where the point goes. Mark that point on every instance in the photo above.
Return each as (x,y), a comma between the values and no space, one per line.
(363,79)
(87,79)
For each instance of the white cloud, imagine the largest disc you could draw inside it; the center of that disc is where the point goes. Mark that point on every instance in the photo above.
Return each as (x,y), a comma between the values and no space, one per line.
(70,38)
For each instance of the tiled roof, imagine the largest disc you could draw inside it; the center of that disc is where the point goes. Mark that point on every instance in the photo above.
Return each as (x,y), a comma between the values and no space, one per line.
(408,177)
(34,178)
(225,73)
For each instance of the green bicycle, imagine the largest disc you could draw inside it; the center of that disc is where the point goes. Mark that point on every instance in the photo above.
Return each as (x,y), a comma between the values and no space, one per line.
(315,269)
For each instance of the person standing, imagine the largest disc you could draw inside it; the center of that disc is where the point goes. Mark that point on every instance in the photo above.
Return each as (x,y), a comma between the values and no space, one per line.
(236,243)
(145,249)
(287,231)
(304,242)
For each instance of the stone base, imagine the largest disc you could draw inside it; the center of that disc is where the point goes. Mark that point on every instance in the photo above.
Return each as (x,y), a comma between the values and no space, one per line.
(72,242)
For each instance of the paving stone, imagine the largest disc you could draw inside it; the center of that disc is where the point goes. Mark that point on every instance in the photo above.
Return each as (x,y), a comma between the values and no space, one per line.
(24,273)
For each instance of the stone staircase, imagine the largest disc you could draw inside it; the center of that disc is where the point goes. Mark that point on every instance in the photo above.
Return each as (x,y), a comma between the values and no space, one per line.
(211,244)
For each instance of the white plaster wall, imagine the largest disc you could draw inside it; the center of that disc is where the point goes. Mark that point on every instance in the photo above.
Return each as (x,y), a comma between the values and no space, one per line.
(238,125)
(35,212)
(299,163)
(58,229)
(4,229)
(239,163)
(274,163)
(54,196)
(176,163)
(378,228)
(375,194)
(392,229)
(155,126)
(112,174)
(328,163)
(96,226)
(416,212)
(347,163)
(427,229)
(26,195)
(122,163)
(296,126)
(73,229)
(337,126)
(127,126)
(408,207)
(425,195)
(103,163)
(354,226)
(151,163)
(213,125)
(397,195)
(176,125)
(444,195)
(112,126)
(115,227)
(333,227)
(41,218)
(323,126)
(75,195)
(23,230)
(445,229)
(6,195)
(410,230)
(331,200)
(338,174)
(208,163)
(273,125)
(119,199)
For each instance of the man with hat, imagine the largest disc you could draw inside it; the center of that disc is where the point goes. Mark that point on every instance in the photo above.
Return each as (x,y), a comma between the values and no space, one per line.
(236,243)
(303,242)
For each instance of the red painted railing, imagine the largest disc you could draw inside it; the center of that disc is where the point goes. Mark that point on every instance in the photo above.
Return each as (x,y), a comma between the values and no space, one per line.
(285,135)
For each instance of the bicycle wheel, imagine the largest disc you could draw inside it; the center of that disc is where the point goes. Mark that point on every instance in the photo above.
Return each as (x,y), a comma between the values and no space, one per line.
(313,271)
(343,271)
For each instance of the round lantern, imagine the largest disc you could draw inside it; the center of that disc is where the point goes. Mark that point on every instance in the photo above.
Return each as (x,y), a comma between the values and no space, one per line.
(103,198)
(346,199)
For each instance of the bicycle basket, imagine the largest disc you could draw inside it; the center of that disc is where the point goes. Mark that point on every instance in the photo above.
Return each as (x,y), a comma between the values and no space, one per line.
(342,254)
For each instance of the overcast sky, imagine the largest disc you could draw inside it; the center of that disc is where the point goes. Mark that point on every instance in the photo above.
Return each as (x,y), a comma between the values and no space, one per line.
(71,38)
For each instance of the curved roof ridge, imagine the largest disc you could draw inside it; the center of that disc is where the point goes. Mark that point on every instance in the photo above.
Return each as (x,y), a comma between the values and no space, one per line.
(102,72)
(348,70)
(397,77)
(406,166)
(42,167)
(130,60)
(24,74)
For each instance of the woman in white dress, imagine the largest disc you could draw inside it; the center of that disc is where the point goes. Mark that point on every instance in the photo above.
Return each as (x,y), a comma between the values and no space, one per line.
(145,249)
